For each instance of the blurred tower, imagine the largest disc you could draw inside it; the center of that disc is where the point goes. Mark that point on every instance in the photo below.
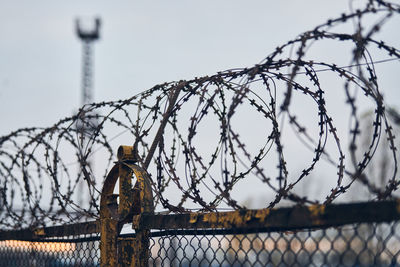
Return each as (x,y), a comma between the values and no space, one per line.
(87,122)
(88,37)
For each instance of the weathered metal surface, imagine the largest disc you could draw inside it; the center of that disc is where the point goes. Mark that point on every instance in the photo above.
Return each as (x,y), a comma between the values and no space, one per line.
(143,186)
(53,231)
(141,251)
(109,220)
(126,248)
(299,217)
(265,219)
(114,214)
(141,247)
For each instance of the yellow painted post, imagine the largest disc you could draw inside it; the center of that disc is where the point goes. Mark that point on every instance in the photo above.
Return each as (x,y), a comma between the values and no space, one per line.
(114,214)
(125,154)
(109,221)
(142,240)
(126,203)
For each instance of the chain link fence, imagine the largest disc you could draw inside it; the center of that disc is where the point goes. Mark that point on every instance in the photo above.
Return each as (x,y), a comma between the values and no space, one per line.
(79,251)
(351,245)
(362,244)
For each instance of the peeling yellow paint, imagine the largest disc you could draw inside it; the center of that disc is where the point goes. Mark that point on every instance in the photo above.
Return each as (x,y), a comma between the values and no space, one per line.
(40,232)
(193,217)
(316,210)
(262,214)
(248,216)
(113,215)
(210,217)
(136,221)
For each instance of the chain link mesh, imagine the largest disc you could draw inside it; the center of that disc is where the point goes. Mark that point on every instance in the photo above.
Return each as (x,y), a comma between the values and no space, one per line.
(77,251)
(351,245)
(363,244)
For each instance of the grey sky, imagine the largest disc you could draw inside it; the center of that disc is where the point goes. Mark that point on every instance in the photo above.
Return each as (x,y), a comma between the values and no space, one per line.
(142,44)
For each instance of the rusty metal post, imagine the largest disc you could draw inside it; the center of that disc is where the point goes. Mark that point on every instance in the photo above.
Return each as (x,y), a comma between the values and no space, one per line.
(142,240)
(109,221)
(114,214)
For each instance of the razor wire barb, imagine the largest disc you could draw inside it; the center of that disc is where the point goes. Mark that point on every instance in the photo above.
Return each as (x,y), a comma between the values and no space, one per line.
(188,136)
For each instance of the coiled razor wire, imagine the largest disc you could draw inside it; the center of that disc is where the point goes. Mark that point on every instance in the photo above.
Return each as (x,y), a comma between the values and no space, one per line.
(200,138)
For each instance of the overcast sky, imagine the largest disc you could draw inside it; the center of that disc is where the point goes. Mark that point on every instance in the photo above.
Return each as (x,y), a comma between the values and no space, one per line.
(142,44)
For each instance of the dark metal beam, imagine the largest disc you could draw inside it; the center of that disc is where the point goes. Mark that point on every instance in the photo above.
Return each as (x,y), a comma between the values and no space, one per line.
(299,217)
(53,231)
(264,220)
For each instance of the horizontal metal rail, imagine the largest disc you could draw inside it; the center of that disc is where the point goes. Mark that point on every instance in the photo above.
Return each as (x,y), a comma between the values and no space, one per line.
(234,222)
(52,231)
(282,219)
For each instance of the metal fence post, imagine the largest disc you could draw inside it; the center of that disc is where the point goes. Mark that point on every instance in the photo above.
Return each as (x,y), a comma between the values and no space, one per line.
(109,221)
(116,210)
(141,246)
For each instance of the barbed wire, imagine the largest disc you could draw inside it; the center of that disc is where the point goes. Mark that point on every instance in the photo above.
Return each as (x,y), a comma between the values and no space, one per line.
(199,139)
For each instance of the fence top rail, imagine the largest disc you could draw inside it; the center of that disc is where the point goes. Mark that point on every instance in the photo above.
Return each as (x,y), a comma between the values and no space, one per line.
(265,220)
(52,231)
(293,218)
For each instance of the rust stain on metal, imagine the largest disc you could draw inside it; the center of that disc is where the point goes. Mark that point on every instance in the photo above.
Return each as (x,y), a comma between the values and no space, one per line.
(316,210)
(193,217)
(262,214)
(39,232)
(144,186)
(211,217)
(126,153)
(116,210)
(229,219)
(125,251)
(108,222)
(141,246)
(248,216)
(136,221)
